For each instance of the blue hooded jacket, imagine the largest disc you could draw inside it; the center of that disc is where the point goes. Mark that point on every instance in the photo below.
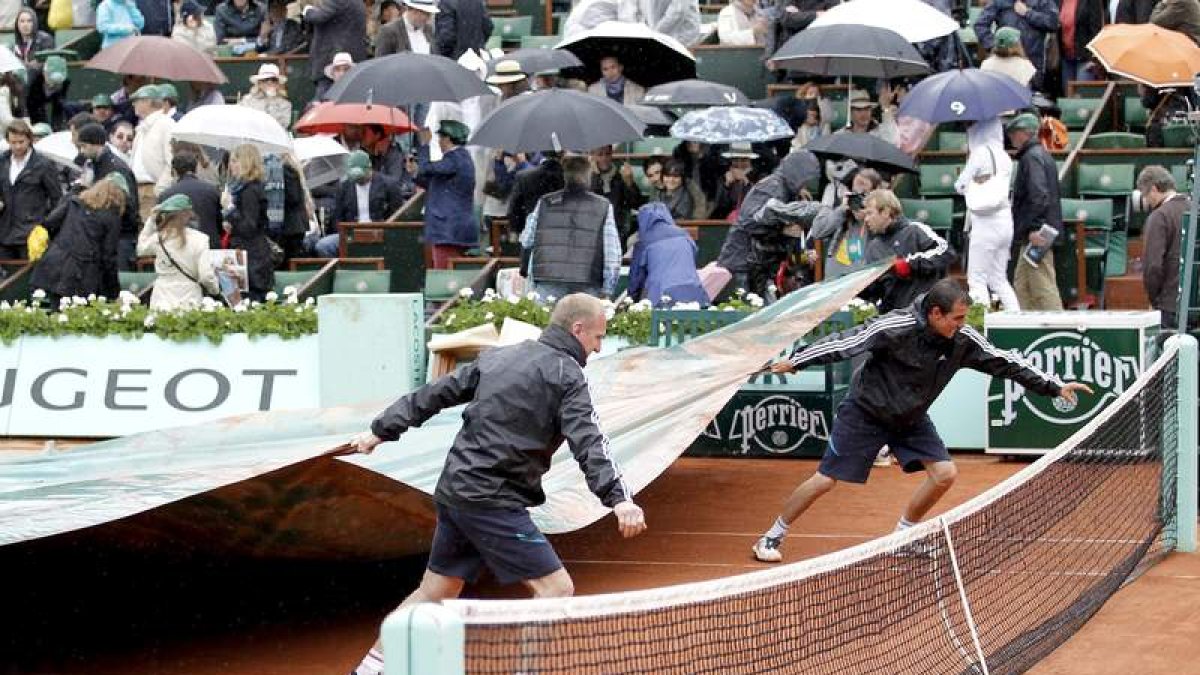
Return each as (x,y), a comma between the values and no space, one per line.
(664,260)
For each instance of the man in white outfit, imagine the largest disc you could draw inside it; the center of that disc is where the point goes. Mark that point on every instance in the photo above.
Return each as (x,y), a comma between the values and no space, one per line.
(984,182)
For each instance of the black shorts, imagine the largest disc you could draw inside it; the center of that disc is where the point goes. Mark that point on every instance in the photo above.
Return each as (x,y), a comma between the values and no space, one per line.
(857,438)
(504,539)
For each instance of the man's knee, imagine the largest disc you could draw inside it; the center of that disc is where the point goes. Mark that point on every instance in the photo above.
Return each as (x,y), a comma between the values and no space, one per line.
(821,483)
(437,587)
(554,585)
(943,473)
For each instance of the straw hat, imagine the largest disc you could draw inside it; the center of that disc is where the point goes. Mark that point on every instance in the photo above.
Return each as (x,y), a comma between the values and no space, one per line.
(740,151)
(861,99)
(268,71)
(506,72)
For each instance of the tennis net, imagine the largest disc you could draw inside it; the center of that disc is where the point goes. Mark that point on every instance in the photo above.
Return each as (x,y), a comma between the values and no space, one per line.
(991,586)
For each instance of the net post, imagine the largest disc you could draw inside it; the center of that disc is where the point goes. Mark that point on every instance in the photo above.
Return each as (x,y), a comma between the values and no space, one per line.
(424,639)
(1185,460)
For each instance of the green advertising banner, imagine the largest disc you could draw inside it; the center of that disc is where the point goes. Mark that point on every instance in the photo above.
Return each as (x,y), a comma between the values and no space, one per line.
(1105,350)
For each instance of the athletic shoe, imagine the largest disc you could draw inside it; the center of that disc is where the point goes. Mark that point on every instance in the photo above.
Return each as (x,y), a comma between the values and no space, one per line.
(883,459)
(917,549)
(766,549)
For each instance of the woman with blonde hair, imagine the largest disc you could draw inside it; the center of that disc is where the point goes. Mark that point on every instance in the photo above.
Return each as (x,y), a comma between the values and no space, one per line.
(180,256)
(245,204)
(84,230)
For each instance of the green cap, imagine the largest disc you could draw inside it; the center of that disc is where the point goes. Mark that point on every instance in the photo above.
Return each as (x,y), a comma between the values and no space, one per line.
(119,180)
(1024,122)
(42,130)
(1007,37)
(454,130)
(102,101)
(55,70)
(357,165)
(168,90)
(149,91)
(174,204)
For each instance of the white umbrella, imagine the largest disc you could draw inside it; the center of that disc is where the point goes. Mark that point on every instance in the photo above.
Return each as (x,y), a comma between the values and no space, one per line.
(58,148)
(9,61)
(323,158)
(913,19)
(228,126)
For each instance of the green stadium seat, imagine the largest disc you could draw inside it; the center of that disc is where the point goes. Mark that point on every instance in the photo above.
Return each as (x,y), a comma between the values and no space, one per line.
(1180,173)
(1135,114)
(443,285)
(952,141)
(361,281)
(938,214)
(1077,112)
(1073,138)
(539,41)
(1178,136)
(639,177)
(1115,140)
(709,240)
(494,42)
(1115,181)
(136,282)
(295,279)
(938,179)
(512,28)
(1097,217)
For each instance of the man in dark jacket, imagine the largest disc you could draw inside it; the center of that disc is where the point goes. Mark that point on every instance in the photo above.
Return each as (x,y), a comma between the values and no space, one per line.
(1074,35)
(791,17)
(617,186)
(531,185)
(29,189)
(238,20)
(1034,18)
(784,184)
(337,26)
(159,16)
(98,161)
(366,196)
(393,38)
(461,25)
(1134,11)
(912,354)
(1035,202)
(450,226)
(522,402)
(1160,257)
(570,240)
(922,257)
(1178,15)
(206,199)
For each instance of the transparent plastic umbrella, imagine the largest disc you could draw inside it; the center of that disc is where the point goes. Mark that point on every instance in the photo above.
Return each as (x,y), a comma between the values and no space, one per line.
(228,126)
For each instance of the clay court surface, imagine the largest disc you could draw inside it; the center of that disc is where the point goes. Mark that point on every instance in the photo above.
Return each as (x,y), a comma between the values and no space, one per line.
(104,612)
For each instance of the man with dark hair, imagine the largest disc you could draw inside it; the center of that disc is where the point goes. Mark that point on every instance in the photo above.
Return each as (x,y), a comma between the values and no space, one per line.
(1160,236)
(911,354)
(366,196)
(570,241)
(206,199)
(522,402)
(1035,202)
(618,186)
(531,185)
(29,189)
(98,160)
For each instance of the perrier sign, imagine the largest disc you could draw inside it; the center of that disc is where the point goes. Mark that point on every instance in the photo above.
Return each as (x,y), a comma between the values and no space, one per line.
(1106,357)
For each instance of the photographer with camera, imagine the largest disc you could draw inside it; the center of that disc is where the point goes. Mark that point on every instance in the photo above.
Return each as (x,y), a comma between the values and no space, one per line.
(843,229)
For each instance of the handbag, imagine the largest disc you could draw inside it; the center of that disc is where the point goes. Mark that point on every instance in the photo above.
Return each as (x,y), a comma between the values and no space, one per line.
(61,15)
(989,196)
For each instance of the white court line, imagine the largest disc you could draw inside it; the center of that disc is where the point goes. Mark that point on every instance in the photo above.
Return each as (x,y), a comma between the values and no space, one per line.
(750,566)
(798,535)
(807,535)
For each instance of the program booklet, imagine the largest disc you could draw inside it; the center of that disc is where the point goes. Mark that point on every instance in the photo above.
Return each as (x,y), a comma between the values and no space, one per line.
(232,274)
(1035,254)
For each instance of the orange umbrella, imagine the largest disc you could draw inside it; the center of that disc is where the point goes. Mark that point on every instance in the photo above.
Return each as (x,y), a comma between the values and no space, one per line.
(1146,53)
(330,118)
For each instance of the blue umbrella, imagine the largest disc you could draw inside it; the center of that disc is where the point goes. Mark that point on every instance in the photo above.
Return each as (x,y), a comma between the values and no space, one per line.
(964,96)
(731,124)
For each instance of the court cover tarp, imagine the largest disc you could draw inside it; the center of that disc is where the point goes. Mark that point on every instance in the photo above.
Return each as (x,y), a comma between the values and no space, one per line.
(259,484)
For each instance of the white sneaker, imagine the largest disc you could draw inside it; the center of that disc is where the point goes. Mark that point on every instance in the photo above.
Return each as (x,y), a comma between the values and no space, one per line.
(766,549)
(884,458)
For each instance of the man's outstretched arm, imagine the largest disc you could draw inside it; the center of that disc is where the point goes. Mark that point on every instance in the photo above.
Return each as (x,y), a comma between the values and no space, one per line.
(412,410)
(846,344)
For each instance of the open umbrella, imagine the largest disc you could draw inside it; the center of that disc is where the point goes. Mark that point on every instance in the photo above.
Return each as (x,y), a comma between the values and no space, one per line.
(160,57)
(964,96)
(537,59)
(731,124)
(58,148)
(228,126)
(331,118)
(556,119)
(914,20)
(864,149)
(857,51)
(694,93)
(406,79)
(323,159)
(1146,53)
(649,57)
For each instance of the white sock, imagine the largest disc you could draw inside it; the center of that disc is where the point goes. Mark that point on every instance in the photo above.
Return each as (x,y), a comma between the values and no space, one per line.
(778,531)
(372,664)
(903,524)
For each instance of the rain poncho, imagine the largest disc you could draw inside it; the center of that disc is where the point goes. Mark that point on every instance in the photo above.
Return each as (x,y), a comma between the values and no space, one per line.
(991,231)
(678,18)
(664,260)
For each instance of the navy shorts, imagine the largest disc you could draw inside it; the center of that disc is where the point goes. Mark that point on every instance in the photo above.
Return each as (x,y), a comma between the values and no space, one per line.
(504,539)
(857,438)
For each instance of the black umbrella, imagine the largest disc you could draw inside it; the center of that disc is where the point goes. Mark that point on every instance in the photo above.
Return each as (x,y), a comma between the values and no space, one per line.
(858,51)
(652,116)
(862,148)
(535,60)
(557,119)
(694,93)
(649,57)
(406,79)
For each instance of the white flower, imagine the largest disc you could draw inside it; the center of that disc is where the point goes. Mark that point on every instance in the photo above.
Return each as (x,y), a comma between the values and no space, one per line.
(609,313)
(102,299)
(489,292)
(488,299)
(240,307)
(310,301)
(91,297)
(289,290)
(29,310)
(128,298)
(513,300)
(754,300)
(772,288)
(272,296)
(665,299)
(550,299)
(79,300)
(4,305)
(62,318)
(64,302)
(39,294)
(466,292)
(532,296)
(729,309)
(487,317)
(299,310)
(106,314)
(149,321)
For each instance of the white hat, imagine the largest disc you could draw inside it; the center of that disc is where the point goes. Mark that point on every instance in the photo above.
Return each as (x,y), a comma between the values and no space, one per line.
(740,151)
(506,72)
(268,71)
(339,59)
(427,6)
